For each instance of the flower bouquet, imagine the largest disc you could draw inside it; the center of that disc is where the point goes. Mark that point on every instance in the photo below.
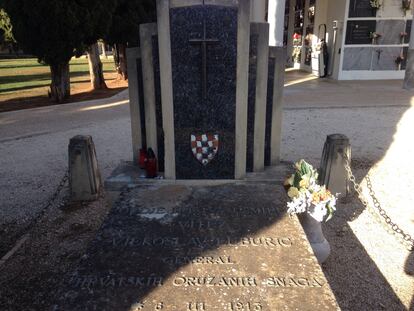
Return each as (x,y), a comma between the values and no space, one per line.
(375,4)
(406,6)
(306,195)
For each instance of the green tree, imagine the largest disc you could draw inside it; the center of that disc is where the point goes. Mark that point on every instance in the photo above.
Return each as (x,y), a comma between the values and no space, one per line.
(55,31)
(6,28)
(124,30)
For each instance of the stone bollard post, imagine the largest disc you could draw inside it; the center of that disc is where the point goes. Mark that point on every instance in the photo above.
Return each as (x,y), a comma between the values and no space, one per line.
(332,172)
(84,176)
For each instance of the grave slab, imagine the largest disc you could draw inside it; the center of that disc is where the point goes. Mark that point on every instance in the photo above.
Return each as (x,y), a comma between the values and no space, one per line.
(203,246)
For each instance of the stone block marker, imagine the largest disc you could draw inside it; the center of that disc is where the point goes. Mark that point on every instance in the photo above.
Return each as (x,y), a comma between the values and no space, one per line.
(332,169)
(84,176)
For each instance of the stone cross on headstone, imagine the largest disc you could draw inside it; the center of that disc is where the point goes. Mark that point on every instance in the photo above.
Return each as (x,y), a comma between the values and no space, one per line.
(203,43)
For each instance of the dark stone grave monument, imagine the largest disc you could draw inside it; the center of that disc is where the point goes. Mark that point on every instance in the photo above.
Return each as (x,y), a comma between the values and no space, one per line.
(202,245)
(206,113)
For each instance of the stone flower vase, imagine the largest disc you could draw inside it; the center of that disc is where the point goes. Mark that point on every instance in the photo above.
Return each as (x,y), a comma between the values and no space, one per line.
(313,230)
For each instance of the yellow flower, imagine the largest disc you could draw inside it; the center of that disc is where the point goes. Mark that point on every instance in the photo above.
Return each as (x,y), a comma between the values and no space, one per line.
(289,181)
(293,192)
(304,183)
(315,198)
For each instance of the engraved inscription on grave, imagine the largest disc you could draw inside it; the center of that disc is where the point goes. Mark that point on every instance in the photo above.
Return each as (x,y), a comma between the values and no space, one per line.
(358,32)
(195,254)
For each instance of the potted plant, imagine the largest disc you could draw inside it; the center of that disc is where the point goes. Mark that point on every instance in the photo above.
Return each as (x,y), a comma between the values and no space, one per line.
(313,203)
(375,5)
(406,6)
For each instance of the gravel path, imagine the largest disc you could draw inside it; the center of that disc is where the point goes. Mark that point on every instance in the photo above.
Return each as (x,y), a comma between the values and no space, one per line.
(34,143)
(368,269)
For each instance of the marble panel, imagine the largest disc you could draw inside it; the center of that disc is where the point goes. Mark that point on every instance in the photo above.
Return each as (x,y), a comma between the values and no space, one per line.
(358,58)
(390,31)
(384,58)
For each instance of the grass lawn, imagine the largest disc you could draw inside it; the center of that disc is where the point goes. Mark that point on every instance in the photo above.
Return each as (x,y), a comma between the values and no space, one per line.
(24,83)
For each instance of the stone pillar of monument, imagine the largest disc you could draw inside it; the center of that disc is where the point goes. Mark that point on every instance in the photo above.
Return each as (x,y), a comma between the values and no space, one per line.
(258,11)
(136,101)
(409,70)
(276,19)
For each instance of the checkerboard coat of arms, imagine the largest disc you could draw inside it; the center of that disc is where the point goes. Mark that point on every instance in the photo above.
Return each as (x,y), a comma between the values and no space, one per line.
(204,147)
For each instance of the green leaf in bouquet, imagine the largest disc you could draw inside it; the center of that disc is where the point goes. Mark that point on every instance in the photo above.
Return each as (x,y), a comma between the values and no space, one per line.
(297,179)
(303,167)
(330,212)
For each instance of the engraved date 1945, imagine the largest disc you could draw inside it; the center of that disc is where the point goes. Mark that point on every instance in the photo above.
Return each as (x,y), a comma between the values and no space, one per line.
(245,306)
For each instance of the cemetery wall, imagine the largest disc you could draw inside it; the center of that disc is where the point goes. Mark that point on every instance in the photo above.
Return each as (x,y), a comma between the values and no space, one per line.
(370,43)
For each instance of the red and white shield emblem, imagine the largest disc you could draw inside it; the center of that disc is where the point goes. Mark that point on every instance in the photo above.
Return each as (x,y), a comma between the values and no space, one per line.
(204,147)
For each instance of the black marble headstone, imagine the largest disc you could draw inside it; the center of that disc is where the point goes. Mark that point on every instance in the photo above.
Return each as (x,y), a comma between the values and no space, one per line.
(361,8)
(358,32)
(193,114)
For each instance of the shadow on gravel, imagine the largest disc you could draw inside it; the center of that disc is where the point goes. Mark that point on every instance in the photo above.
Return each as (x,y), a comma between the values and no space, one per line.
(409,269)
(354,277)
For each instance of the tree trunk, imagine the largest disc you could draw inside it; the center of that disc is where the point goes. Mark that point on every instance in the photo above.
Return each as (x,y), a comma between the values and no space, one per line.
(60,86)
(95,68)
(115,55)
(122,61)
(103,46)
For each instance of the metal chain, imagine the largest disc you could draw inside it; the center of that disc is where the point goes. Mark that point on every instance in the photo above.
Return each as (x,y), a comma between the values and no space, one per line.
(407,239)
(34,221)
(52,199)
